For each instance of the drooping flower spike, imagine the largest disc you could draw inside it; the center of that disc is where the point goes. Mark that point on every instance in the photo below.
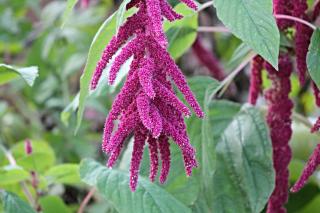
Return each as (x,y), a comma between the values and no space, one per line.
(279,120)
(255,79)
(147,105)
(284,7)
(302,39)
(309,169)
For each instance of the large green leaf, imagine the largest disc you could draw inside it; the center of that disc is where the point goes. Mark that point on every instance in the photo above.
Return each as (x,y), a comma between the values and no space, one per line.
(13,204)
(253,22)
(182,33)
(114,186)
(313,57)
(211,136)
(244,175)
(9,73)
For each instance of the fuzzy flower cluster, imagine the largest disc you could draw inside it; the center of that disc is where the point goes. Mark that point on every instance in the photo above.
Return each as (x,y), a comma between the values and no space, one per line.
(279,120)
(208,59)
(255,79)
(311,167)
(302,38)
(147,105)
(279,104)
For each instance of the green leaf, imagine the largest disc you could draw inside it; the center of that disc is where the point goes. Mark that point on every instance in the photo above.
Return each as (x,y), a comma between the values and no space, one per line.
(253,23)
(244,175)
(70,108)
(64,173)
(242,51)
(217,183)
(53,204)
(198,130)
(69,7)
(12,174)
(9,73)
(41,159)
(114,186)
(313,57)
(101,39)
(121,13)
(13,204)
(181,33)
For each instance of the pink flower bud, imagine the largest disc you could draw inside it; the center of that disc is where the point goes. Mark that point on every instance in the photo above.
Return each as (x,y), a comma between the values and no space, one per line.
(28,147)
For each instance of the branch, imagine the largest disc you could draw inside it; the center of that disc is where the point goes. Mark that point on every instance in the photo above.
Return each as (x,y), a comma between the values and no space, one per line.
(277,16)
(292,18)
(23,184)
(86,200)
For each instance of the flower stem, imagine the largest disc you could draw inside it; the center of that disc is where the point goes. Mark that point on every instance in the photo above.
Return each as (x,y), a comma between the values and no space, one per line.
(86,200)
(213,29)
(23,184)
(277,16)
(227,81)
(205,5)
(292,18)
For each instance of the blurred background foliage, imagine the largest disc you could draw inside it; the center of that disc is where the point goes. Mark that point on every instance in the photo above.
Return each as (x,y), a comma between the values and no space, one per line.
(31,35)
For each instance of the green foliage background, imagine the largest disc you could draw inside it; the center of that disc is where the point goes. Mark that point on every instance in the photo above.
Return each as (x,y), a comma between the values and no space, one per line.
(47,46)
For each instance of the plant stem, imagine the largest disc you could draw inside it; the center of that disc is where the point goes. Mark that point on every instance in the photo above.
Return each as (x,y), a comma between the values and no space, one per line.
(227,81)
(277,16)
(292,18)
(205,5)
(86,200)
(213,29)
(23,184)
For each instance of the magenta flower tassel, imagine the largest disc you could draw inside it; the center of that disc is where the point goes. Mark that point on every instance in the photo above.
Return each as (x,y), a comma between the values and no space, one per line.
(316,126)
(164,148)
(208,59)
(154,13)
(255,79)
(279,121)
(302,39)
(28,147)
(156,118)
(168,12)
(169,97)
(145,77)
(316,11)
(125,31)
(153,153)
(284,7)
(309,169)
(190,4)
(143,106)
(139,141)
(128,51)
(147,105)
(316,93)
(175,73)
